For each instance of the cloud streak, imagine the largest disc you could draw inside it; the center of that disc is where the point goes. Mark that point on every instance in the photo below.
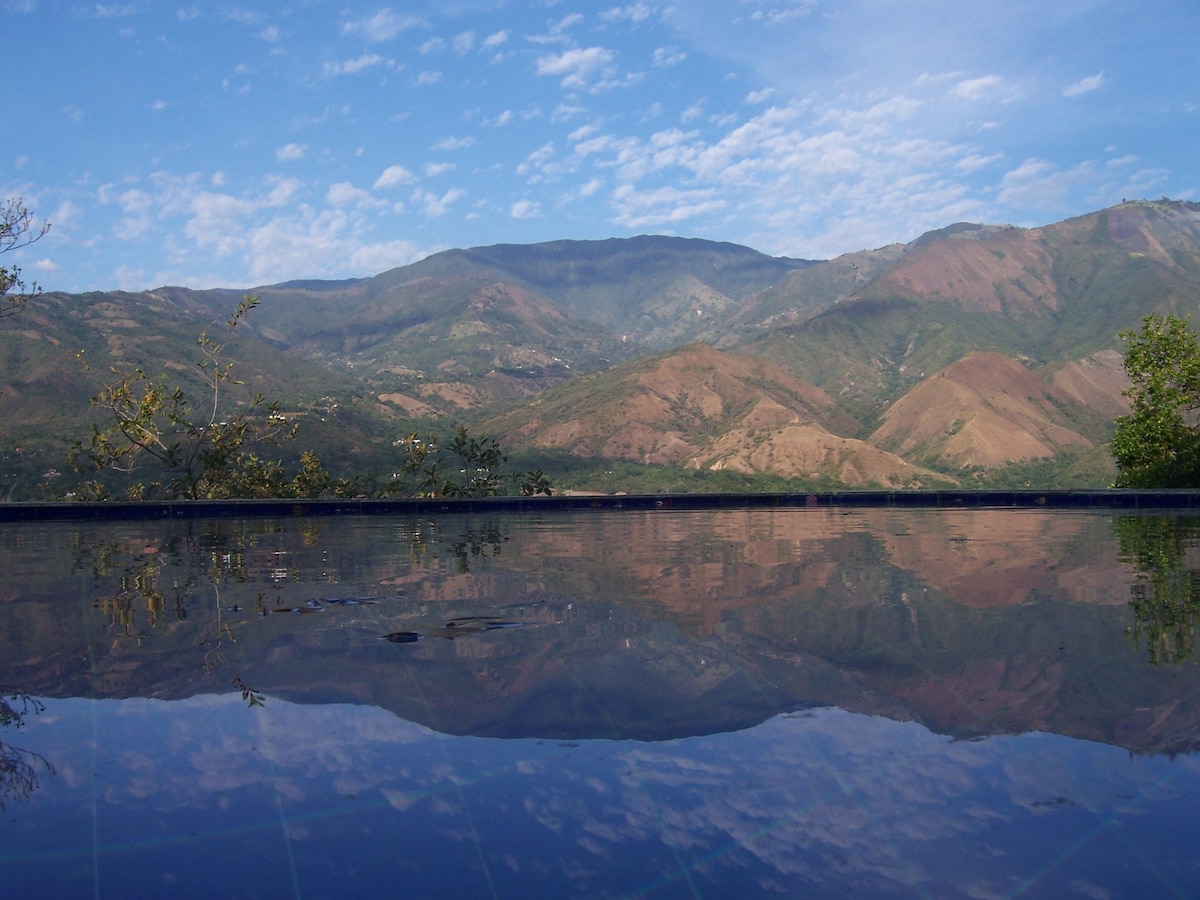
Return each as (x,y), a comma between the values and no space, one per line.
(795,127)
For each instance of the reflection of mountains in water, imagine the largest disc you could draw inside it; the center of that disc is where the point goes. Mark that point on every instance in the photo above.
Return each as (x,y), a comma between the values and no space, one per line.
(731,620)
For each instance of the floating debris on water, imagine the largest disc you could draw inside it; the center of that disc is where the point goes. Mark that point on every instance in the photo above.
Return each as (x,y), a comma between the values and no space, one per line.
(402,637)
(463,626)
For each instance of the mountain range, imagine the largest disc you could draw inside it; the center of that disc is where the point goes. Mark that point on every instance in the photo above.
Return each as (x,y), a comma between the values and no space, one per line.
(974,355)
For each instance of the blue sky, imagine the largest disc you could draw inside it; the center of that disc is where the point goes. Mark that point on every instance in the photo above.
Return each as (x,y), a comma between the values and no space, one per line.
(239,145)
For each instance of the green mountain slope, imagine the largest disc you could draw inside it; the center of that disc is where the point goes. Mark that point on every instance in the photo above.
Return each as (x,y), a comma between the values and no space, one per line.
(1043,296)
(473,335)
(62,348)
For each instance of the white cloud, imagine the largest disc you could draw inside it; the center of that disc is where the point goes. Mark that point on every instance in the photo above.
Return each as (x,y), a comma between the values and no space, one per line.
(464,43)
(453,143)
(973,162)
(266,232)
(137,208)
(1041,185)
(575,66)
(591,188)
(978,88)
(352,66)
(782,14)
(557,32)
(927,79)
(379,257)
(495,40)
(566,111)
(638,12)
(283,191)
(215,222)
(428,77)
(114,10)
(433,170)
(525,209)
(583,132)
(383,26)
(435,206)
(393,176)
(665,57)
(662,206)
(289,152)
(1084,85)
(346,194)
(537,160)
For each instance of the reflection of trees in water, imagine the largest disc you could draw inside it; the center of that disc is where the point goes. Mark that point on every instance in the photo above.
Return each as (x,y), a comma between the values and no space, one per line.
(465,540)
(19,768)
(159,576)
(223,574)
(1165,595)
(163,578)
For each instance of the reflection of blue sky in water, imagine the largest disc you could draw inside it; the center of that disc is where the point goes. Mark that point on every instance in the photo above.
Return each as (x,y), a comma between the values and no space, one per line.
(207,797)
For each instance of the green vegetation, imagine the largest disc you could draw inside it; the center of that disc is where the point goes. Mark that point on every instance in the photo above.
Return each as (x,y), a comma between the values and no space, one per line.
(199,450)
(210,447)
(1157,445)
(1067,470)
(612,476)
(1165,597)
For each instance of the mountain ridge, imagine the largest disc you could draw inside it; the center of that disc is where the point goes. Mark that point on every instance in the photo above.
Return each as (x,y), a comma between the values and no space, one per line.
(479,335)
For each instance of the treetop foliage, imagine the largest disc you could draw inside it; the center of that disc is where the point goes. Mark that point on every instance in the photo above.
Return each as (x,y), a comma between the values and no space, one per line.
(17,229)
(1157,445)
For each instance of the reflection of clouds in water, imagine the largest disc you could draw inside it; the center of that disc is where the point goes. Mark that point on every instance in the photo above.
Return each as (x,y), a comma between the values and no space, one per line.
(225,747)
(829,793)
(835,800)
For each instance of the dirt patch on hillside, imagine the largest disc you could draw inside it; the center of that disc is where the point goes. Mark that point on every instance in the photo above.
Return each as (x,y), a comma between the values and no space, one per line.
(984,410)
(997,270)
(809,451)
(456,392)
(410,405)
(1096,382)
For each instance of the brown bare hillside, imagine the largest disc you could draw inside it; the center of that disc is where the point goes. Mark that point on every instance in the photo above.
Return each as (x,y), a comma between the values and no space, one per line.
(704,408)
(809,451)
(984,410)
(983,269)
(1097,382)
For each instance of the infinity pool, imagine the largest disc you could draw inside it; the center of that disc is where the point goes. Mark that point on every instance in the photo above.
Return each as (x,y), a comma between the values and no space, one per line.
(784,702)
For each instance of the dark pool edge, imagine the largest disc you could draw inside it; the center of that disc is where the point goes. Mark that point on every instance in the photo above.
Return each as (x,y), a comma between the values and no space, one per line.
(202,509)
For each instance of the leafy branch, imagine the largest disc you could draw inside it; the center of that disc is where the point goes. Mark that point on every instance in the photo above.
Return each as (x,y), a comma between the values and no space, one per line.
(17,229)
(465,466)
(203,454)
